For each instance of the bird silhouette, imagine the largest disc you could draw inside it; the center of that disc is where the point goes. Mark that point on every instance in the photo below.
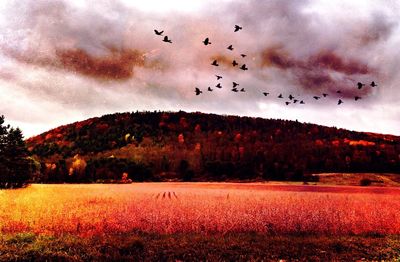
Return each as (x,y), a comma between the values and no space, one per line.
(235,84)
(235,89)
(209,89)
(234,63)
(230,47)
(357,98)
(237,28)
(207,41)
(242,90)
(198,91)
(243,67)
(218,85)
(360,85)
(295,101)
(316,97)
(280,96)
(373,84)
(218,77)
(158,32)
(287,103)
(302,102)
(291,97)
(324,95)
(265,93)
(243,55)
(167,40)
(340,102)
(215,63)
(338,92)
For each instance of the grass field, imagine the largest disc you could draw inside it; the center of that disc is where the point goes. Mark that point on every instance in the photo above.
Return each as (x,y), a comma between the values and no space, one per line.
(200,211)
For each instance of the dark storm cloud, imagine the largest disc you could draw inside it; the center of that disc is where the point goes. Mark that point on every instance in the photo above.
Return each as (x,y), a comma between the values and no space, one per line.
(103,57)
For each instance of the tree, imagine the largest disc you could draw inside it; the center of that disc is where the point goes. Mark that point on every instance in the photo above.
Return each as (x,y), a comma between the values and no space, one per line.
(15,166)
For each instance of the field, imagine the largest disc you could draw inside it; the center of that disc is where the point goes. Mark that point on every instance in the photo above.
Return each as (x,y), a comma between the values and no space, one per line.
(202,209)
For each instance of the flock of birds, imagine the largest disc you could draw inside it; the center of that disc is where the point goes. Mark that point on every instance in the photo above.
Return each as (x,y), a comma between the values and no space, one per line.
(292,99)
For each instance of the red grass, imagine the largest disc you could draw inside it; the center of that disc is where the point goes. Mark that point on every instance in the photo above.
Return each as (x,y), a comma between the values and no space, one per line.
(202,208)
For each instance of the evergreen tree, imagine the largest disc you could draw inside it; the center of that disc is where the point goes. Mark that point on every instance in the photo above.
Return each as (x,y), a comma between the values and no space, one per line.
(15,167)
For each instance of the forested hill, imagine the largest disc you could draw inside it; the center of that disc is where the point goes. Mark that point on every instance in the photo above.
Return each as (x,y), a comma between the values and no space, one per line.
(159,146)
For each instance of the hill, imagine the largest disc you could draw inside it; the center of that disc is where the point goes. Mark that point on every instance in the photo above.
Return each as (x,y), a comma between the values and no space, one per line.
(164,146)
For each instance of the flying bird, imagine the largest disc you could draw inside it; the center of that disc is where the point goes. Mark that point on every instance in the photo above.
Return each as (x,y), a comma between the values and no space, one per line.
(167,40)
(316,97)
(209,89)
(198,91)
(207,41)
(235,89)
(357,98)
(218,77)
(324,95)
(280,96)
(302,102)
(214,63)
(158,32)
(360,85)
(235,84)
(295,101)
(338,92)
(287,103)
(230,47)
(244,68)
(218,85)
(242,90)
(243,55)
(340,102)
(265,93)
(373,84)
(291,97)
(237,28)
(234,63)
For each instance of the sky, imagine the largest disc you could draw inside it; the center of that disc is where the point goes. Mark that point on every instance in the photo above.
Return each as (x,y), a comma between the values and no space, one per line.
(65,61)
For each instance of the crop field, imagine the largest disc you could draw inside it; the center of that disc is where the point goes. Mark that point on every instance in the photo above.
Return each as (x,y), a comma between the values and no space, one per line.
(201,208)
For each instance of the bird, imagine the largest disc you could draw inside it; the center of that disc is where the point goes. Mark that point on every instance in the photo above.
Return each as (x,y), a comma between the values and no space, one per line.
(340,102)
(291,97)
(230,47)
(338,92)
(242,90)
(324,95)
(207,41)
(357,98)
(218,77)
(209,89)
(243,67)
(280,96)
(198,91)
(166,39)
(243,55)
(237,28)
(295,101)
(302,102)
(287,103)
(158,32)
(234,63)
(235,84)
(235,89)
(218,85)
(373,84)
(316,97)
(215,63)
(265,93)
(360,85)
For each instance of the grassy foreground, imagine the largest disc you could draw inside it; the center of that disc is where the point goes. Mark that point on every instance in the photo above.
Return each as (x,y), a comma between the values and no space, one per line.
(195,247)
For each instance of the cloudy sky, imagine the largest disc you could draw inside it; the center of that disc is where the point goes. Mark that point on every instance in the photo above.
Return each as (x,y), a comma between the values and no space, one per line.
(65,61)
